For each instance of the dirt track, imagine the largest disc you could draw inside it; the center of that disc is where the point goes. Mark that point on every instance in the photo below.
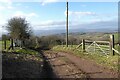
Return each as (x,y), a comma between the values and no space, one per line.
(53,65)
(21,66)
(66,65)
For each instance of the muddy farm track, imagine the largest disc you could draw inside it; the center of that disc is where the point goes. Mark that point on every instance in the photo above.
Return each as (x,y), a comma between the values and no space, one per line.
(53,65)
(21,66)
(66,65)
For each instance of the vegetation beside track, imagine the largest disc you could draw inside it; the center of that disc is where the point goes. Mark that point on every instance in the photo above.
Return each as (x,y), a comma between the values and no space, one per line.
(108,61)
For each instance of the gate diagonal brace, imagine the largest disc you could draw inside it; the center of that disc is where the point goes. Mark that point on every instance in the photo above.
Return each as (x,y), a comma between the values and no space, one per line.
(89,46)
(94,43)
(101,48)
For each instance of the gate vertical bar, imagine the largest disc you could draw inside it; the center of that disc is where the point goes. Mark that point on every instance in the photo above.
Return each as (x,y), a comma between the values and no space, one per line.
(112,44)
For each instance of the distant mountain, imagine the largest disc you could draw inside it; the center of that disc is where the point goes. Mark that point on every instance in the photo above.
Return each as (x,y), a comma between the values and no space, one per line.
(51,32)
(47,32)
(78,30)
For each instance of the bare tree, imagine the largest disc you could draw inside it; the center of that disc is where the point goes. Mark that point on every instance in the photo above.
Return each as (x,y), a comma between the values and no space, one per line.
(19,28)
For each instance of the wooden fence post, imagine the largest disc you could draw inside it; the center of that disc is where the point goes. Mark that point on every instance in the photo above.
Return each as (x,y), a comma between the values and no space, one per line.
(112,44)
(12,44)
(94,47)
(62,44)
(71,44)
(5,44)
(83,45)
(37,44)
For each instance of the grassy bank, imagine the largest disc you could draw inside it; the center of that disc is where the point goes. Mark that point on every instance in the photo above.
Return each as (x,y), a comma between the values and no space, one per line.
(17,49)
(107,61)
(26,51)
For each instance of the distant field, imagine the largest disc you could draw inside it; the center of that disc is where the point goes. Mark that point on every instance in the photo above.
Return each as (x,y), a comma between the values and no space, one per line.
(94,36)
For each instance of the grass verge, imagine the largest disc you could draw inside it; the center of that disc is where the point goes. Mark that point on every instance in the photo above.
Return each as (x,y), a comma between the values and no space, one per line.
(26,51)
(108,61)
(17,49)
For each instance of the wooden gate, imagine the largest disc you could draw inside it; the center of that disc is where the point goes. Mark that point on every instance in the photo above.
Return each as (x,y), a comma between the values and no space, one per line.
(101,47)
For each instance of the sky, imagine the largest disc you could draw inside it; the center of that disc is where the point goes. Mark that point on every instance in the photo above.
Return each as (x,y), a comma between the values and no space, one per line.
(51,14)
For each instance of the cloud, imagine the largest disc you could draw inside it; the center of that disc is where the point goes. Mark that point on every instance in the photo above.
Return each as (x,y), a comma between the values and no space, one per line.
(82,13)
(2,7)
(32,15)
(6,1)
(2,30)
(44,2)
(3,18)
(49,25)
(18,4)
(111,24)
(19,14)
(10,7)
(22,14)
(52,23)
(88,16)
(6,5)
(83,5)
(81,16)
(78,13)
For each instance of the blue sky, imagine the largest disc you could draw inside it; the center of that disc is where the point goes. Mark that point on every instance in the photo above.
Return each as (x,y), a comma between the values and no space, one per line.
(52,14)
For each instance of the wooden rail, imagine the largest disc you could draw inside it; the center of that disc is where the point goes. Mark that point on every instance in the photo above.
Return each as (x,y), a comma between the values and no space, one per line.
(98,42)
(116,51)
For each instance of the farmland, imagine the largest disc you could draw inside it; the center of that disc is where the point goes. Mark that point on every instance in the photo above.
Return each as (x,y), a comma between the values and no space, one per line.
(109,62)
(59,40)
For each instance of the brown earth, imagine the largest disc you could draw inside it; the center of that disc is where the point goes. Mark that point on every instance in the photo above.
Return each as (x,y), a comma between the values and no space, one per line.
(67,65)
(63,67)
(51,64)
(21,66)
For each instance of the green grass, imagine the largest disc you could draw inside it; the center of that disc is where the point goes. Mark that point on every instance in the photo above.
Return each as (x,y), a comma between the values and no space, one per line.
(0,42)
(17,49)
(7,44)
(26,51)
(108,60)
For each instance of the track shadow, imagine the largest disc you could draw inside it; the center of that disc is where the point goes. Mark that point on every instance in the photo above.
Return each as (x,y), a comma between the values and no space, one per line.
(19,68)
(47,71)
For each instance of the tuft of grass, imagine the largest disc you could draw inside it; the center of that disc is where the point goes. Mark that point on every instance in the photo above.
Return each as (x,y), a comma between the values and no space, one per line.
(108,61)
(26,51)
